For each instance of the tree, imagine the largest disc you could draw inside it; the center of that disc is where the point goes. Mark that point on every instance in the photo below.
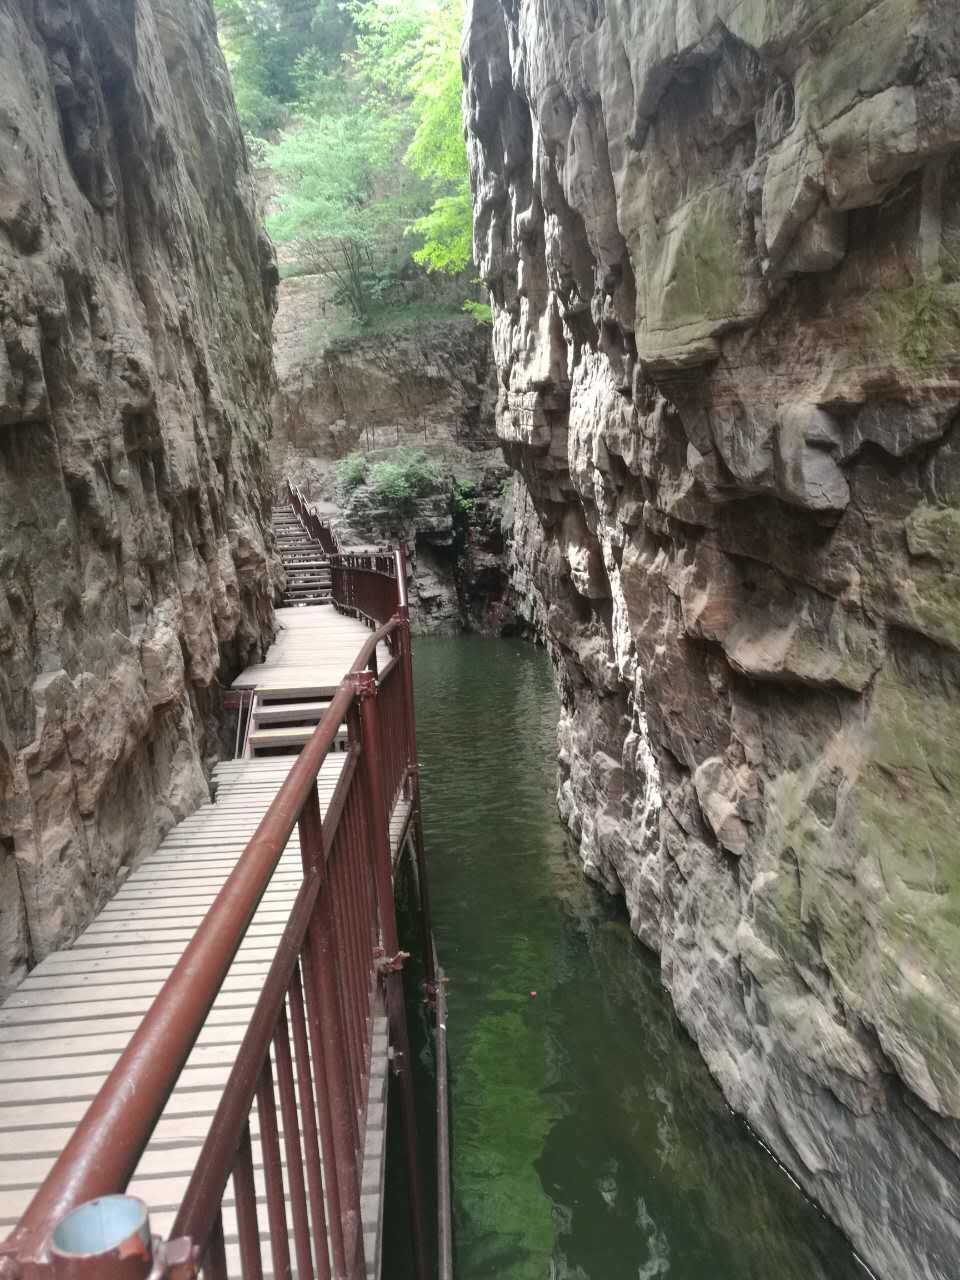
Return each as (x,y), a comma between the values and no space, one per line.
(413,46)
(345,203)
(355,106)
(263,41)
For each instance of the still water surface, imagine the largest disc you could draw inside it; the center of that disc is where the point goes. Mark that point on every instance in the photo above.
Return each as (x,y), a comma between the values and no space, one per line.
(589,1141)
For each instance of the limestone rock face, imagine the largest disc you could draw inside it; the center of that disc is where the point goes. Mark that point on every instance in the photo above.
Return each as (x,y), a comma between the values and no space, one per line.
(723,246)
(136,301)
(363,393)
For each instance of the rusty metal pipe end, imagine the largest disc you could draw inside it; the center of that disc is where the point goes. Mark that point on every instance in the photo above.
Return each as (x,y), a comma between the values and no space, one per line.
(105,1239)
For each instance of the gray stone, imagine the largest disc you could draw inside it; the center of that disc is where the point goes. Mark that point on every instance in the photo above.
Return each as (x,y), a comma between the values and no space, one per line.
(737,532)
(135,375)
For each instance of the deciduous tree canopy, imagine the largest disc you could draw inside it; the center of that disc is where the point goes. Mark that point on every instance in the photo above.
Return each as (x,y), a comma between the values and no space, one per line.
(355,107)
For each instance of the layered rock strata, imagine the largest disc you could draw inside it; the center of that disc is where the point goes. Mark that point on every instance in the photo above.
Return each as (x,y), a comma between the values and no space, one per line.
(377,392)
(723,246)
(136,300)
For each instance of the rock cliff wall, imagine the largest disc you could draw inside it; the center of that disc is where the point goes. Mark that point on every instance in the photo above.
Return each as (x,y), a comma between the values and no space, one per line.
(135,373)
(723,245)
(359,393)
(433,392)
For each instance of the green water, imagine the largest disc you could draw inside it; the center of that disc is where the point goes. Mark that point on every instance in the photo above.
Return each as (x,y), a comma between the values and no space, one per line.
(589,1141)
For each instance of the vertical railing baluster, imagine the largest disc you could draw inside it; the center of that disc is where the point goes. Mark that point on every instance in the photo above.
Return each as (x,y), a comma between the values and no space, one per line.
(245,1195)
(291,1146)
(273,1174)
(361,954)
(311,852)
(340,961)
(343,1176)
(410,737)
(396,1007)
(359,972)
(215,1258)
(308,1112)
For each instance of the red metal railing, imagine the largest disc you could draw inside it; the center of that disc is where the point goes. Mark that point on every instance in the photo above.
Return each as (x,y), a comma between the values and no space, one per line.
(363,584)
(367,585)
(315,1012)
(320,530)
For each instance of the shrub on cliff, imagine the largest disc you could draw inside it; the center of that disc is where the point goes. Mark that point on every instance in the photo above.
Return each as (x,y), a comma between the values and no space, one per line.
(399,482)
(351,473)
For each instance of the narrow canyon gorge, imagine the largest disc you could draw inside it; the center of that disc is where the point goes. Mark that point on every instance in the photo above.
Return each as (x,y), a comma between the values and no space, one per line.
(722,245)
(428,396)
(707,453)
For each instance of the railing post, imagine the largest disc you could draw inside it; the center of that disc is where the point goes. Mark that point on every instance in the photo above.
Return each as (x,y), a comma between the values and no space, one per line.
(366,692)
(332,1090)
(413,765)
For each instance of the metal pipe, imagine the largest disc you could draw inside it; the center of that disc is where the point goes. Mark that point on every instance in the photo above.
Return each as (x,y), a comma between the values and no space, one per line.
(296,1183)
(311,851)
(218,1154)
(311,1142)
(273,1174)
(444,1196)
(365,687)
(245,1195)
(104,1149)
(105,1239)
(214,1260)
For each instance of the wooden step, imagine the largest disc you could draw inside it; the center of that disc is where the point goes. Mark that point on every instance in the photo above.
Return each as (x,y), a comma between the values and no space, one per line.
(286,712)
(289,736)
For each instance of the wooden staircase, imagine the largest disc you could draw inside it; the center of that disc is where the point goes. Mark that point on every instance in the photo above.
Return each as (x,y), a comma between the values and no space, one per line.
(279,726)
(306,566)
(281,721)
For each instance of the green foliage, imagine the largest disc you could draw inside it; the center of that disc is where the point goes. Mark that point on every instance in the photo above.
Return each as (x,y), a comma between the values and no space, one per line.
(465,497)
(920,322)
(413,47)
(447,232)
(387,55)
(263,40)
(351,473)
(355,107)
(343,208)
(928,325)
(408,475)
(482,312)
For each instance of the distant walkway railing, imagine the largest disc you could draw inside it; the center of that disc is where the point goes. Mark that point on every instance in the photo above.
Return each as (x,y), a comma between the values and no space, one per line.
(321,530)
(339,947)
(367,585)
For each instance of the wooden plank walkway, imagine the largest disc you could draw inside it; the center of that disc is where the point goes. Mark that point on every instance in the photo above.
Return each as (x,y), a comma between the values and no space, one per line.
(65,1026)
(313,651)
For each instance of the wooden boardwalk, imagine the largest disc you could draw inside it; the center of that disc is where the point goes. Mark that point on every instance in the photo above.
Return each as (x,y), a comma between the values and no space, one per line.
(65,1026)
(314,649)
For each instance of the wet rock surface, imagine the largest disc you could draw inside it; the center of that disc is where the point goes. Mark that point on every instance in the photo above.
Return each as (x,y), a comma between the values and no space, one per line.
(723,246)
(136,299)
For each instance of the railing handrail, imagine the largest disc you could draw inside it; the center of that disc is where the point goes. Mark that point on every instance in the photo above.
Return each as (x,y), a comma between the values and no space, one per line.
(105,1148)
(322,530)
